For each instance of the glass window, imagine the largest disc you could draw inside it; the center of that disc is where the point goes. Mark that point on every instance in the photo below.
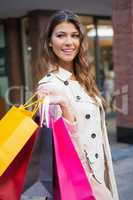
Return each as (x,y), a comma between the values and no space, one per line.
(26,48)
(100,33)
(3,72)
(2,52)
(87,21)
(105,35)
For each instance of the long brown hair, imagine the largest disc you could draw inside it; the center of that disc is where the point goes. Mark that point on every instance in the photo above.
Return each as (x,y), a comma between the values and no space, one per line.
(82,68)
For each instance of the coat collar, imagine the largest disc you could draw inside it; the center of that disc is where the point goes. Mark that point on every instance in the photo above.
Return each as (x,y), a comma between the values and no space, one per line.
(63,74)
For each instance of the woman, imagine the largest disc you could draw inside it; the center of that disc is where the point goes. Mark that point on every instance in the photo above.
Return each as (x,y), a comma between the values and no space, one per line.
(73,94)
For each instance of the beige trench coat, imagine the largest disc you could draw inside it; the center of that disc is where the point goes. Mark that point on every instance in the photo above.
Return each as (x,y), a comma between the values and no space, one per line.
(99,158)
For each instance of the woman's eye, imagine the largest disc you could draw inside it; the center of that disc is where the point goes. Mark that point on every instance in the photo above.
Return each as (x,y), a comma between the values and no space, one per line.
(63,35)
(75,36)
(60,35)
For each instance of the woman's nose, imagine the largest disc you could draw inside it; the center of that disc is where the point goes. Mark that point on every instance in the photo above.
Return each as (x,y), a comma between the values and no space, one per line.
(68,40)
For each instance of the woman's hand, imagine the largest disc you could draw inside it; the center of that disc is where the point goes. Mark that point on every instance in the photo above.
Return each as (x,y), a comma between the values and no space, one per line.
(57,97)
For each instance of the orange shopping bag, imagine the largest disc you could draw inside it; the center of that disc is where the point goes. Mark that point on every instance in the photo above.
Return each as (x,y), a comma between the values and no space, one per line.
(16,127)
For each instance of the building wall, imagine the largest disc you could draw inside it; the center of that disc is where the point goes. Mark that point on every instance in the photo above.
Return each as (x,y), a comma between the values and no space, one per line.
(123,66)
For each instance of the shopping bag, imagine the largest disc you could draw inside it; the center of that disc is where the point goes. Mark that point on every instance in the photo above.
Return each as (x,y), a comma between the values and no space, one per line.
(12,181)
(71,178)
(39,179)
(16,127)
(39,176)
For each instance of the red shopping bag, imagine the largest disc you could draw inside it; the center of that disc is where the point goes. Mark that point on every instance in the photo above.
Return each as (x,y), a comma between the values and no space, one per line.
(71,178)
(12,181)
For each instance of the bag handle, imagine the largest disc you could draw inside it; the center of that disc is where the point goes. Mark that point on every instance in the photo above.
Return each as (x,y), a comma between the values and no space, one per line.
(37,103)
(45,111)
(28,104)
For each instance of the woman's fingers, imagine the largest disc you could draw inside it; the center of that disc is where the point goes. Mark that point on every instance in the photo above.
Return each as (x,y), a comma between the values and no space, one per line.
(56,95)
(42,92)
(56,100)
(51,89)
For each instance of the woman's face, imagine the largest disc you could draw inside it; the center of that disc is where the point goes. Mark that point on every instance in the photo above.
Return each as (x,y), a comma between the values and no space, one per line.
(65,42)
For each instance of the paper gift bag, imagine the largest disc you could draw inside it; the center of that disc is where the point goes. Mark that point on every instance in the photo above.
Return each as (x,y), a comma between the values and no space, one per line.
(12,181)
(16,127)
(73,182)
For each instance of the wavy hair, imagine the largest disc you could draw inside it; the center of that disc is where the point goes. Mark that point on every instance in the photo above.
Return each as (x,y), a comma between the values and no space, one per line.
(82,68)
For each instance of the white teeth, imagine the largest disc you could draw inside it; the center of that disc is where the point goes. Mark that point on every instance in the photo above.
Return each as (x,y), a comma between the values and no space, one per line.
(67,50)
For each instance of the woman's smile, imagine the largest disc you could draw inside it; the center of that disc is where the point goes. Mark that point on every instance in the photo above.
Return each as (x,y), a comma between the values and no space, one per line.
(68,51)
(65,43)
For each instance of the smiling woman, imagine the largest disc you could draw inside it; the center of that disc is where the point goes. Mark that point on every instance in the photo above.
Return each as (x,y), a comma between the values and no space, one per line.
(74,96)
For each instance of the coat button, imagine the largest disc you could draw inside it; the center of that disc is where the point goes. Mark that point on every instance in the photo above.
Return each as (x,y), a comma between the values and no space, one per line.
(96,155)
(93,135)
(66,82)
(48,75)
(78,97)
(87,116)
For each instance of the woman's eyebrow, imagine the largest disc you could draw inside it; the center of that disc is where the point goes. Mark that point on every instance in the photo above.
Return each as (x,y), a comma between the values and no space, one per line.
(74,32)
(60,32)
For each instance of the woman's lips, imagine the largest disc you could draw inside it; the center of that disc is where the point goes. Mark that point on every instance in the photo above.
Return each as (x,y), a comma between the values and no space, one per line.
(68,51)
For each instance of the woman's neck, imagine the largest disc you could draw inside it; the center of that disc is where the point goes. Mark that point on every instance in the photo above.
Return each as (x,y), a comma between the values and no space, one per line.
(70,70)
(67,66)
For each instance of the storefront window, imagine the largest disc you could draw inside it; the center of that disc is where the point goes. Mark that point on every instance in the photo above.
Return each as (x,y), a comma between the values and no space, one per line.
(100,34)
(26,55)
(105,35)
(3,72)
(88,23)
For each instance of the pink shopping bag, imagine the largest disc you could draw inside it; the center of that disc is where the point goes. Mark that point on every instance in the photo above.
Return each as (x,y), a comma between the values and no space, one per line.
(72,180)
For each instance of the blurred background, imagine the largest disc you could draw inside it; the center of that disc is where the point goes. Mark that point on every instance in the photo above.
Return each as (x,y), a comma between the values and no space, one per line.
(110,36)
